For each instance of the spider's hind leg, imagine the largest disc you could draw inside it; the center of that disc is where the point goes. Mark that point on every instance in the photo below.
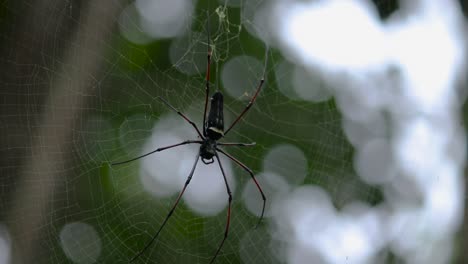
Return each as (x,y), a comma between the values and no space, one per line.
(148,244)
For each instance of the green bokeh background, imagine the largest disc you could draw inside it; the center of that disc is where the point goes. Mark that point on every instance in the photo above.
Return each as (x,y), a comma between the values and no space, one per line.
(36,36)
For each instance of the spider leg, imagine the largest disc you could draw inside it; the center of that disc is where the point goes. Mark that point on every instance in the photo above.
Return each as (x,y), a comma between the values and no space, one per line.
(253,178)
(207,77)
(189,178)
(252,100)
(182,115)
(157,150)
(237,144)
(229,209)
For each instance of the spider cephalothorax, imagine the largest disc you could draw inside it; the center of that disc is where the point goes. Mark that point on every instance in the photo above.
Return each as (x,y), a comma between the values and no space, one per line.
(208,150)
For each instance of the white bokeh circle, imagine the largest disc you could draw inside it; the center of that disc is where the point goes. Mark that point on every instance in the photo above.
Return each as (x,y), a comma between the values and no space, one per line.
(374,162)
(241,76)
(288,161)
(80,242)
(5,245)
(272,185)
(165,18)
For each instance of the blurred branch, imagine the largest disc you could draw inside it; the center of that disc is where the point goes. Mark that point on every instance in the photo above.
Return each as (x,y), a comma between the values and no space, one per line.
(43,171)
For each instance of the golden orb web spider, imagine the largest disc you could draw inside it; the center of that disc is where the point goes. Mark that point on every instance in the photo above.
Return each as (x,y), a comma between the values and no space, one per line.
(213,130)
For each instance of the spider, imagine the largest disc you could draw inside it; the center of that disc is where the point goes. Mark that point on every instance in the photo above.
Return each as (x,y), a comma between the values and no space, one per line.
(213,130)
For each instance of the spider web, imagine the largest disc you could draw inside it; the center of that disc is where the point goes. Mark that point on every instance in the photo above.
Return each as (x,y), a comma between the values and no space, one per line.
(80,83)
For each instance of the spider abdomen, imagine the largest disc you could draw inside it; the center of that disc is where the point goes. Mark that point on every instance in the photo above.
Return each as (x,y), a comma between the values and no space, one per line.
(215,123)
